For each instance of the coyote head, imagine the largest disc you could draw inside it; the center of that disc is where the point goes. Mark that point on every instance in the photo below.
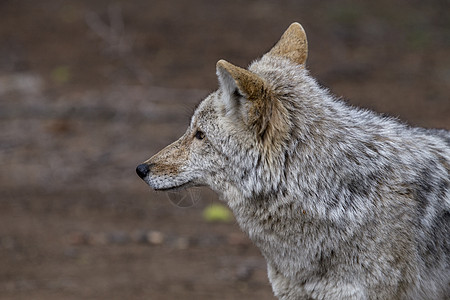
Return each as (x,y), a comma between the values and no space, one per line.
(237,133)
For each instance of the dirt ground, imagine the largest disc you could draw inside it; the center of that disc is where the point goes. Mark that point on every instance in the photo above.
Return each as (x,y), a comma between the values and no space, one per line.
(89,89)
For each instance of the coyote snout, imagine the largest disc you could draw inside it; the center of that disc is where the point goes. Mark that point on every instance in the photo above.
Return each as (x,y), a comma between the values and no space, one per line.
(174,166)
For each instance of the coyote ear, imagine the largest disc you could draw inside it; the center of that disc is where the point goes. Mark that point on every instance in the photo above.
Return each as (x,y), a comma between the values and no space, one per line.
(231,77)
(292,45)
(247,96)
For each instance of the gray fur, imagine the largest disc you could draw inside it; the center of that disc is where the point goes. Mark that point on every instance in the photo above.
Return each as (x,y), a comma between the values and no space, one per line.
(342,202)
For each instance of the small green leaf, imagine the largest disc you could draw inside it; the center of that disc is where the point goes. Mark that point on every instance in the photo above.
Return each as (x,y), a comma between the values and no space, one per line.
(61,74)
(217,213)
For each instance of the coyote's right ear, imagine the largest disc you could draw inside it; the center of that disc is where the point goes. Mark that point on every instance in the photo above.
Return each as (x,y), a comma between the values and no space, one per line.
(292,45)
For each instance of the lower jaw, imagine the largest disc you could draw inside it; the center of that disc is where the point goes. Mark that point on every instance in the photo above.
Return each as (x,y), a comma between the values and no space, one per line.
(178,187)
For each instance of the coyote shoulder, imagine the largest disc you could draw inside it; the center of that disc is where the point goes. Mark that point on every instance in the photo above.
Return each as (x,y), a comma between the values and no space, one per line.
(342,202)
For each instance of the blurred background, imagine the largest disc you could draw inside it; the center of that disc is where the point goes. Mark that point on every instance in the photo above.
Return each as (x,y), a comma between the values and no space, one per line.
(89,89)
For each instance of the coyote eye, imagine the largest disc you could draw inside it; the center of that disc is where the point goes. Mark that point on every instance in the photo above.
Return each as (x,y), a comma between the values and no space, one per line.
(199,135)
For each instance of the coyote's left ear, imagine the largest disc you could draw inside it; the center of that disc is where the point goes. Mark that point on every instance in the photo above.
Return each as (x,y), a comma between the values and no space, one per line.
(247,83)
(292,45)
(247,97)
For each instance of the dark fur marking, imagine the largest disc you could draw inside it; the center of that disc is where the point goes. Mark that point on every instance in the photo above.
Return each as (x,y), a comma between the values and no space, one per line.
(324,261)
(263,134)
(371,147)
(285,168)
(443,186)
(244,176)
(438,246)
(237,94)
(284,191)
(424,189)
(258,162)
(358,187)
(352,158)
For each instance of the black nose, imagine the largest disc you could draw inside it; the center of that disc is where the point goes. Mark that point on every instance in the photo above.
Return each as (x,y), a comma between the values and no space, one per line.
(142,170)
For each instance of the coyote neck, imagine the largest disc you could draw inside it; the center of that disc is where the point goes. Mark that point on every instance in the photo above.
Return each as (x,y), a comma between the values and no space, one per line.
(287,236)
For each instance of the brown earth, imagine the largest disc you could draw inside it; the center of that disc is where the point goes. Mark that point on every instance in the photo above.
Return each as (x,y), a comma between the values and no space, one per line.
(89,89)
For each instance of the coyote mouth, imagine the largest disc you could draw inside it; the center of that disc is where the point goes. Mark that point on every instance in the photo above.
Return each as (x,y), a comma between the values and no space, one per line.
(176,187)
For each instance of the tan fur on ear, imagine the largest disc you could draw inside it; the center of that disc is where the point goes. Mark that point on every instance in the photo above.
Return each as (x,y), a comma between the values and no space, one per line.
(251,85)
(292,45)
(263,113)
(259,105)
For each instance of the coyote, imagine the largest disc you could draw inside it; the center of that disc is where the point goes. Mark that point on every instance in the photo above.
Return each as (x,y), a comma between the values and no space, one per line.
(343,203)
